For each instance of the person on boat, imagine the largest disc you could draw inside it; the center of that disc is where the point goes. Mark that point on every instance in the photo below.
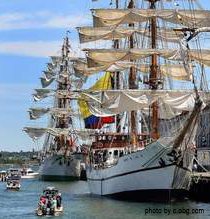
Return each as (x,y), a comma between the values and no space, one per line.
(53,203)
(43,199)
(48,201)
(58,199)
(42,204)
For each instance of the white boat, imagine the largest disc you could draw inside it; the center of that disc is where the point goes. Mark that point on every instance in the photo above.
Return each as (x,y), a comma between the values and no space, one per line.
(13,182)
(28,173)
(60,158)
(152,90)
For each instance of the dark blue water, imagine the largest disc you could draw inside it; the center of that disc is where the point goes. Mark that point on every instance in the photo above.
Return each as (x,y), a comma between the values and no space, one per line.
(79,204)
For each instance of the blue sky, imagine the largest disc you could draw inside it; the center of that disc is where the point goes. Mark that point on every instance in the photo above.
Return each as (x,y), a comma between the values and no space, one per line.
(30,31)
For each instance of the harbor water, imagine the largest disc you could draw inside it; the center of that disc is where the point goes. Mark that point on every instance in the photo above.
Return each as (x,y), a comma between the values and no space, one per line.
(79,204)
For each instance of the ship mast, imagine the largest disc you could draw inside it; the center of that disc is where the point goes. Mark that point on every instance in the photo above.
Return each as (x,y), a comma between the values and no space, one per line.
(117,81)
(132,81)
(63,85)
(153,81)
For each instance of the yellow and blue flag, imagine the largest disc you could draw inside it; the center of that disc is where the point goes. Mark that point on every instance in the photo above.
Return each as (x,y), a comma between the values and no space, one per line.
(91,121)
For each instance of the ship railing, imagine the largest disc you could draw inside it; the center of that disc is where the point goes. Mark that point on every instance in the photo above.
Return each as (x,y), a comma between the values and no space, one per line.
(106,164)
(142,144)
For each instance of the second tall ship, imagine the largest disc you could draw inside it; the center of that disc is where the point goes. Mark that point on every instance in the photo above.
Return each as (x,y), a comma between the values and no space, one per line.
(61,154)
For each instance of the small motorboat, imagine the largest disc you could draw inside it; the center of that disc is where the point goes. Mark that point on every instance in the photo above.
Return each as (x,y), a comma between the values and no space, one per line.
(50,203)
(13,172)
(13,182)
(28,173)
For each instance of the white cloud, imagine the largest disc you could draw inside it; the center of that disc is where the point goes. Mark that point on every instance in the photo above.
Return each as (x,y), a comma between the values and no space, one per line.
(38,48)
(15,93)
(31,48)
(10,89)
(66,22)
(40,19)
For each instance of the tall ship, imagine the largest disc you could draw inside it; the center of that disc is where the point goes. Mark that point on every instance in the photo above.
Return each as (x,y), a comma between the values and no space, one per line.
(62,157)
(151,52)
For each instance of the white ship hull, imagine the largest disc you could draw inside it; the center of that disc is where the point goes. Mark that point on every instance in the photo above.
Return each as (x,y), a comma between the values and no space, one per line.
(30,176)
(141,173)
(56,168)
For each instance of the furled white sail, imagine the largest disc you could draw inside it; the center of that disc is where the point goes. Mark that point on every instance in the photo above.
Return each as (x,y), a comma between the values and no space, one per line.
(118,101)
(49,74)
(114,17)
(46,82)
(35,133)
(60,112)
(175,71)
(36,113)
(66,94)
(81,67)
(89,34)
(109,56)
(42,93)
